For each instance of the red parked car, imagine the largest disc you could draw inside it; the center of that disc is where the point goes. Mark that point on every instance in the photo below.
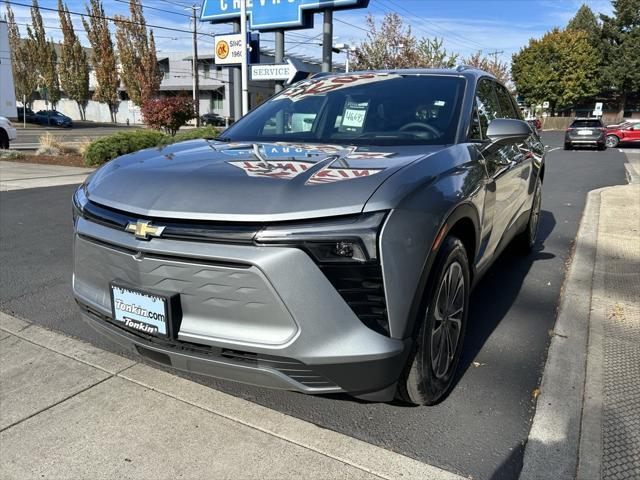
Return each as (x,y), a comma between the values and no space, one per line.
(627,132)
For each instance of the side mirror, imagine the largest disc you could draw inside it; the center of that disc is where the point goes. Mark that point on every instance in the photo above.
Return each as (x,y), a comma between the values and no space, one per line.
(507,130)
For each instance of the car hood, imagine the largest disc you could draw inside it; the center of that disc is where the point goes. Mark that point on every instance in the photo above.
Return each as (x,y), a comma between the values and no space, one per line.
(210,180)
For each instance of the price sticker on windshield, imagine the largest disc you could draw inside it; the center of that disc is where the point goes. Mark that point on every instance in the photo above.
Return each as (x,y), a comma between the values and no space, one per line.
(353,117)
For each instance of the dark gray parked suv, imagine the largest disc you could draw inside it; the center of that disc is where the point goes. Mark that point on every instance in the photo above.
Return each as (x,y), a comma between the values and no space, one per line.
(326,242)
(585,132)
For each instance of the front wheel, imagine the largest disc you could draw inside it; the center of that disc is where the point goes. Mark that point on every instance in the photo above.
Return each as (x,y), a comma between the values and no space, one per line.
(612,141)
(431,368)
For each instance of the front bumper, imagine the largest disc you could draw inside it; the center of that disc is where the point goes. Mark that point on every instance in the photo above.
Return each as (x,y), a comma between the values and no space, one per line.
(12,133)
(265,316)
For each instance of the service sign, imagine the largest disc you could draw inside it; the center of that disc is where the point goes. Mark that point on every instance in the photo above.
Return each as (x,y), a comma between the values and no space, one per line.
(228,49)
(268,15)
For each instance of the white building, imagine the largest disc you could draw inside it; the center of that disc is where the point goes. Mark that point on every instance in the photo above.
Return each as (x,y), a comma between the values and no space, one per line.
(215,85)
(7,92)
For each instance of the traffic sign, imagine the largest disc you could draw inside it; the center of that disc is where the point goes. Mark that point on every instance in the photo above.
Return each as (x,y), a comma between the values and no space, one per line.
(279,71)
(274,14)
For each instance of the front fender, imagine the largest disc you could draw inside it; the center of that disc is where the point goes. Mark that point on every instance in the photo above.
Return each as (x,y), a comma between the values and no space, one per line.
(421,203)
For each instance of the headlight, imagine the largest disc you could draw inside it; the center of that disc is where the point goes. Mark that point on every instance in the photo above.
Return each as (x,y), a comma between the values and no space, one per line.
(78,202)
(347,239)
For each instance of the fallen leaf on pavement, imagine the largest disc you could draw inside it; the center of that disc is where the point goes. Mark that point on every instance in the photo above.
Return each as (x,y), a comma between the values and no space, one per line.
(536,393)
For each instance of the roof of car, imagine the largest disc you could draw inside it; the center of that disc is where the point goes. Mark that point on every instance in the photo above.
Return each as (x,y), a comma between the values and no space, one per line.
(461,70)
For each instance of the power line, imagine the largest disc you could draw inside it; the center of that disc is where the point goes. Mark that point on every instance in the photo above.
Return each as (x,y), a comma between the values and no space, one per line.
(156,8)
(115,20)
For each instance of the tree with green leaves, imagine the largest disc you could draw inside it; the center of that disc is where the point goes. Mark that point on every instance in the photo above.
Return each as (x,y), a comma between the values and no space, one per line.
(22,61)
(392,45)
(560,68)
(45,56)
(621,35)
(73,68)
(432,54)
(137,51)
(104,58)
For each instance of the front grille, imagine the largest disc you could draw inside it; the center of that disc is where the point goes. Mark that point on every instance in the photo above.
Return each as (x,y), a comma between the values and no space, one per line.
(293,369)
(226,232)
(361,286)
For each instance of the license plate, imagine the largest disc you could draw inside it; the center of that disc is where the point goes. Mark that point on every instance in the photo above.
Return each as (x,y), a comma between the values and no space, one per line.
(141,311)
(584,132)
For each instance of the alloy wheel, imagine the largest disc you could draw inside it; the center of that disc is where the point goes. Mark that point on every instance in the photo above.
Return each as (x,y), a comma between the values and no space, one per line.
(448,315)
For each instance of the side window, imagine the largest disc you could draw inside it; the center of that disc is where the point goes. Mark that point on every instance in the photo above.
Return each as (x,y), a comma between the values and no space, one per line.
(487,109)
(506,104)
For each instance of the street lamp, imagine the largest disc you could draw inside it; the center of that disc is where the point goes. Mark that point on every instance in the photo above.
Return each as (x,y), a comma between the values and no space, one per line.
(344,47)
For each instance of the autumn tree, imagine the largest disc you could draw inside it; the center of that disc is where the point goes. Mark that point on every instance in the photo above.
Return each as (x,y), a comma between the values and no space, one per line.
(497,68)
(103,59)
(73,68)
(393,45)
(22,61)
(621,36)
(137,50)
(44,54)
(560,68)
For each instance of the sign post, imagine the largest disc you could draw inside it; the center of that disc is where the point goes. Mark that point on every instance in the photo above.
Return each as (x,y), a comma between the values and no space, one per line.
(244,64)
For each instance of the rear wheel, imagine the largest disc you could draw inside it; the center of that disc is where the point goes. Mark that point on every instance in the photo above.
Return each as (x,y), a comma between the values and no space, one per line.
(527,238)
(612,141)
(567,146)
(429,374)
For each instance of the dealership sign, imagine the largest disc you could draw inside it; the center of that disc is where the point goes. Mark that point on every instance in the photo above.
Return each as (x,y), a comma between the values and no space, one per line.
(273,14)
(278,71)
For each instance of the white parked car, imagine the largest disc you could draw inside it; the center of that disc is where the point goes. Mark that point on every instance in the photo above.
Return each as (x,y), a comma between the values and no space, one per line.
(7,132)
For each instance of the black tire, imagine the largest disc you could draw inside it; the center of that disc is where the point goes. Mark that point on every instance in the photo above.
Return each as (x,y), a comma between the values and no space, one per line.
(527,238)
(567,146)
(4,140)
(427,380)
(612,141)
(602,147)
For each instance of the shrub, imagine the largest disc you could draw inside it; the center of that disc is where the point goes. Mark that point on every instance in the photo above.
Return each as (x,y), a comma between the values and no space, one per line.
(191,134)
(11,154)
(104,149)
(168,113)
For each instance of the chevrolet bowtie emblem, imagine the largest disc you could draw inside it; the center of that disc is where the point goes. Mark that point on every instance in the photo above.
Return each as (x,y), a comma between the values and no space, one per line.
(143,230)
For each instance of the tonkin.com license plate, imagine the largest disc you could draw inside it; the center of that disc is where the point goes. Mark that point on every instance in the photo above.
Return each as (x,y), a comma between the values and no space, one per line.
(141,311)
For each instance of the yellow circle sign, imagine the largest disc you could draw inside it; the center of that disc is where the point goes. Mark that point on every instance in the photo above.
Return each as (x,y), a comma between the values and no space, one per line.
(222,49)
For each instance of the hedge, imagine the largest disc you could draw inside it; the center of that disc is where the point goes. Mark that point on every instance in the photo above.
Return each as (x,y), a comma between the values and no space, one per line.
(107,148)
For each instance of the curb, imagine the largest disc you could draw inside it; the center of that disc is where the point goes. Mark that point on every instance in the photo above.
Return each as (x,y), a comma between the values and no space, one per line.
(552,447)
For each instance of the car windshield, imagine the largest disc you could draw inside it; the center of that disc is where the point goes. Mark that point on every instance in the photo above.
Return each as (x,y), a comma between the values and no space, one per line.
(359,109)
(586,124)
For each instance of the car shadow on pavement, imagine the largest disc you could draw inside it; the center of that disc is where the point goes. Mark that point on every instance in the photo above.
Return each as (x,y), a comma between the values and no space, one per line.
(497,291)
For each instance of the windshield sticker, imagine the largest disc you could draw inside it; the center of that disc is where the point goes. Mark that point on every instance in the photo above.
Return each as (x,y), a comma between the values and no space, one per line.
(353,117)
(321,86)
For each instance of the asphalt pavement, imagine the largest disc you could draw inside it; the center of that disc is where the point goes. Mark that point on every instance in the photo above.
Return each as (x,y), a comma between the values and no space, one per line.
(479,431)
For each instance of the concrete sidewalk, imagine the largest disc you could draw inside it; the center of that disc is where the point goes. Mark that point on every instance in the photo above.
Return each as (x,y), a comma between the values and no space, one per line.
(16,175)
(69,411)
(587,421)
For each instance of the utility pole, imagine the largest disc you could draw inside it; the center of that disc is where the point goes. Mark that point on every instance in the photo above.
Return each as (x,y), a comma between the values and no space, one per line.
(327,40)
(244,65)
(194,65)
(495,54)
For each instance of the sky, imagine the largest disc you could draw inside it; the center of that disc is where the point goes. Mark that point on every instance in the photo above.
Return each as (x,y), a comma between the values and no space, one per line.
(465,26)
